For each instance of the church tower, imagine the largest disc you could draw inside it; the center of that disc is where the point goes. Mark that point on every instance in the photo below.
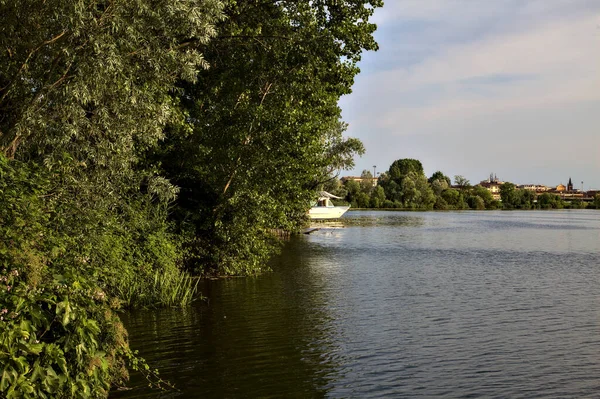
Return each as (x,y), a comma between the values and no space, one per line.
(570,186)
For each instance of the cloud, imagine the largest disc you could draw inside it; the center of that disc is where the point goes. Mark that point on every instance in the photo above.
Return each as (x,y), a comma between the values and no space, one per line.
(474,66)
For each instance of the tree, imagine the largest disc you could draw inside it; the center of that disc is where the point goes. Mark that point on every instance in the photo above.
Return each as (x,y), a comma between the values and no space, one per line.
(363,200)
(577,204)
(475,202)
(461,182)
(439,176)
(335,187)
(263,127)
(402,167)
(454,199)
(427,196)
(527,199)
(438,186)
(440,204)
(366,184)
(405,182)
(85,91)
(377,197)
(509,196)
(485,195)
(549,201)
(353,189)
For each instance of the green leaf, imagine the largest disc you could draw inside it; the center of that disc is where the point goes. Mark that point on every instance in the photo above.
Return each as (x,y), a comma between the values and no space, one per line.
(7,378)
(64,308)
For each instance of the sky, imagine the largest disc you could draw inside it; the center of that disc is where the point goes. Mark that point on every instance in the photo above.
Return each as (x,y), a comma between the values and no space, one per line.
(473,87)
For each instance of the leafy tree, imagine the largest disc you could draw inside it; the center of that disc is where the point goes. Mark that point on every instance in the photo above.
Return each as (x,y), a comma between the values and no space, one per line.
(476,202)
(513,198)
(440,204)
(366,184)
(378,197)
(263,126)
(577,204)
(527,199)
(387,204)
(509,195)
(438,186)
(441,178)
(402,167)
(85,91)
(484,194)
(405,182)
(454,199)
(391,187)
(353,189)
(363,200)
(461,182)
(549,201)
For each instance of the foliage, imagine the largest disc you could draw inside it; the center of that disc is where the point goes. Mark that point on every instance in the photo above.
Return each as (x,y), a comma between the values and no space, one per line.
(442,178)
(69,67)
(405,182)
(438,186)
(263,130)
(461,182)
(550,201)
(58,339)
(366,184)
(377,197)
(85,91)
(512,198)
(577,204)
(485,195)
(475,202)
(59,335)
(164,289)
(353,189)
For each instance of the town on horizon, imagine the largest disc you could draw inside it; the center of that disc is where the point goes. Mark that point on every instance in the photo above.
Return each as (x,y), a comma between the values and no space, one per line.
(493,183)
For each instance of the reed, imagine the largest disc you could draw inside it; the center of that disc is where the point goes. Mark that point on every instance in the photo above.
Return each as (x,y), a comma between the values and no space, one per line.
(162,289)
(174,289)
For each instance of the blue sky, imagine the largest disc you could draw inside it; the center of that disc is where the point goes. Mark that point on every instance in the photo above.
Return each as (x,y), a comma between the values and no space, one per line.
(471,87)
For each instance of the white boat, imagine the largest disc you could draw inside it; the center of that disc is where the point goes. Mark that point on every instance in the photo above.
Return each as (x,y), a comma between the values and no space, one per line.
(324,209)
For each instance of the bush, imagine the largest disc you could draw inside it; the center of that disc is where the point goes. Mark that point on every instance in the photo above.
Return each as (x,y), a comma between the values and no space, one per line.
(475,202)
(440,204)
(387,204)
(60,338)
(59,287)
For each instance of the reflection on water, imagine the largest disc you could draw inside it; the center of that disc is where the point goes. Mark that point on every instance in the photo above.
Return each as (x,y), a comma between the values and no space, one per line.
(397,304)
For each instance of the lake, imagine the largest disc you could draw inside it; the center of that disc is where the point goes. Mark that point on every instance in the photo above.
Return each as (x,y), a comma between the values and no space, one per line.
(396,304)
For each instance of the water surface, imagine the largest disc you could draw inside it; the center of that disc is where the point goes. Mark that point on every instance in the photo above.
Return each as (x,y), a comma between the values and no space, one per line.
(396,304)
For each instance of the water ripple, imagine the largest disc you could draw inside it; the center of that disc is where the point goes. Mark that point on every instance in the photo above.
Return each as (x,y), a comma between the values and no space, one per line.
(397,305)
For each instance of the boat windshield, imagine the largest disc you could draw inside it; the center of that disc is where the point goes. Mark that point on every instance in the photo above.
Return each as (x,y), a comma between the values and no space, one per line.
(324,202)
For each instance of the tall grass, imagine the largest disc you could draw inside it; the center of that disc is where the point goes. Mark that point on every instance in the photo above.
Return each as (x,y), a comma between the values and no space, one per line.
(163,289)
(174,289)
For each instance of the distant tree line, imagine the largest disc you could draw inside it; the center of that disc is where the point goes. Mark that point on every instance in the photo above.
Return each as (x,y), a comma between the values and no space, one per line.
(405,186)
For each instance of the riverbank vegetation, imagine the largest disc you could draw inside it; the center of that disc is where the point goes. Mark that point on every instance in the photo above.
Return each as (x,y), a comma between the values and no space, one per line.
(405,186)
(145,142)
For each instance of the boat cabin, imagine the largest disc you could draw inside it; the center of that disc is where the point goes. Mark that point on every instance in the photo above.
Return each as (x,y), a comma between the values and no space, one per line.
(324,202)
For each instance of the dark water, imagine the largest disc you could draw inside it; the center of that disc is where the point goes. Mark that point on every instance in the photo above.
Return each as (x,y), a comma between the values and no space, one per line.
(394,304)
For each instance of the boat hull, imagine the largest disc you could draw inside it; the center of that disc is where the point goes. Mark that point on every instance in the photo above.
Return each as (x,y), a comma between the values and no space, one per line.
(327,212)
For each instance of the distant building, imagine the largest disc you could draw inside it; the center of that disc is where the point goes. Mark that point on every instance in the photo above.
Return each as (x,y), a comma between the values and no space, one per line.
(537,188)
(359,179)
(493,185)
(568,192)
